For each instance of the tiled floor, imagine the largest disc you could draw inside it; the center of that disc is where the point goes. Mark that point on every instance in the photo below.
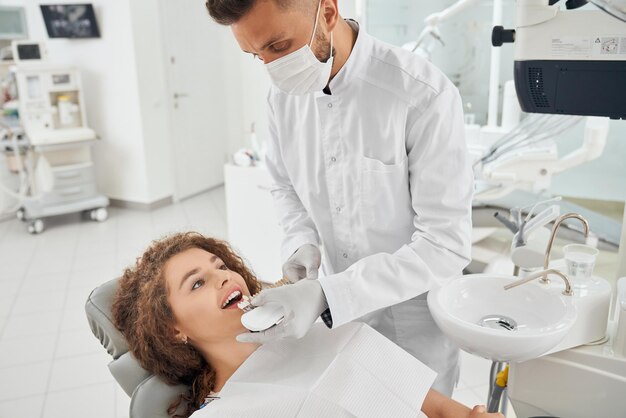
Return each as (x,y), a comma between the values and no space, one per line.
(50,363)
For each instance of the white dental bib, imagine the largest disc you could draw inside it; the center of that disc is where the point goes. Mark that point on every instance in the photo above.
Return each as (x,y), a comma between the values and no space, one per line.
(351,371)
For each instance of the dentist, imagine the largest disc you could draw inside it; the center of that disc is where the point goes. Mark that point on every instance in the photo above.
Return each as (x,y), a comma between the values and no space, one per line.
(371,175)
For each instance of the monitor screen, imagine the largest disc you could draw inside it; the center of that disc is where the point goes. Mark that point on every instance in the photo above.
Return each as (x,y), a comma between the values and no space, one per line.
(70,21)
(28,52)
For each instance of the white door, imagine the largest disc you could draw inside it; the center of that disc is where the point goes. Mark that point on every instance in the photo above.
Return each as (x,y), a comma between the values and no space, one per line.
(198,95)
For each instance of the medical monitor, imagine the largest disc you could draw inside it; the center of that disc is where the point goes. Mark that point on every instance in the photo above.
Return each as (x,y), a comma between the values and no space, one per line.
(73,21)
(13,23)
(25,52)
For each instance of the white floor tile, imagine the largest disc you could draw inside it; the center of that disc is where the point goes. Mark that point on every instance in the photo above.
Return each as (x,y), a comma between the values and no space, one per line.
(32,325)
(27,407)
(47,265)
(76,298)
(95,401)
(38,283)
(76,372)
(93,262)
(24,380)
(30,303)
(91,247)
(5,306)
(9,288)
(21,351)
(12,270)
(77,343)
(90,279)
(74,320)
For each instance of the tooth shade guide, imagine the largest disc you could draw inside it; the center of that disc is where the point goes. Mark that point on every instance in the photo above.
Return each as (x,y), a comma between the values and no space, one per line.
(281,282)
(245,304)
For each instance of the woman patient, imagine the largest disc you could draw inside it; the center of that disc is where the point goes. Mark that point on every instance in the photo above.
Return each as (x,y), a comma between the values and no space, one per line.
(177,308)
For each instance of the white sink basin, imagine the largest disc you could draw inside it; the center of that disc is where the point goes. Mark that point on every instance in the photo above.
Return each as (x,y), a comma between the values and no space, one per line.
(540,315)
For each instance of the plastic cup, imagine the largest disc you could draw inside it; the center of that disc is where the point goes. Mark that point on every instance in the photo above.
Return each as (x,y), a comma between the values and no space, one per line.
(579,261)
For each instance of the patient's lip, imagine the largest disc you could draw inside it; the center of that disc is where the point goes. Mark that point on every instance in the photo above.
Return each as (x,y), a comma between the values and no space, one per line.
(227,294)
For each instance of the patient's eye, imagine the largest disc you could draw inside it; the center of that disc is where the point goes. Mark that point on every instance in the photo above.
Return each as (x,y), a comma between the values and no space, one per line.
(223,267)
(197,284)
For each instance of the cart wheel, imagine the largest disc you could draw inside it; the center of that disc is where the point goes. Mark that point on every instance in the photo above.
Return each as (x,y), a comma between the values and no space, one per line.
(35,227)
(21,214)
(99,215)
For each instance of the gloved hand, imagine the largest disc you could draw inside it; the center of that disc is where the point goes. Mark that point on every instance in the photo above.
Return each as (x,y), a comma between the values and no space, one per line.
(304,263)
(302,302)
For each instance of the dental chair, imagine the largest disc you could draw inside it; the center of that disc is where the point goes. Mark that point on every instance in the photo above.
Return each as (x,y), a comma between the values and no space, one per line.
(150,396)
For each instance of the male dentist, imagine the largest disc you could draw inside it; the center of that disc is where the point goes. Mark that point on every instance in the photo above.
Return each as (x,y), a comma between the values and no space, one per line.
(368,159)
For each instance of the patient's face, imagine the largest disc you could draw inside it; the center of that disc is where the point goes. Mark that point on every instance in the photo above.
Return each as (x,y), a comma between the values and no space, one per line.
(203,294)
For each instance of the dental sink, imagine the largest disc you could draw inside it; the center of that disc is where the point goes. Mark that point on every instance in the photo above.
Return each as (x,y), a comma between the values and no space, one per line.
(519,324)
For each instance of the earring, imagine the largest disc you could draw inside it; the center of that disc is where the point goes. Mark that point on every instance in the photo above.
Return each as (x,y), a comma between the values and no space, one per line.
(185,340)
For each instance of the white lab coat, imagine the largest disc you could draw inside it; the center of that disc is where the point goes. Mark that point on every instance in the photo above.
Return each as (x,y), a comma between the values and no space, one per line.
(349,372)
(378,174)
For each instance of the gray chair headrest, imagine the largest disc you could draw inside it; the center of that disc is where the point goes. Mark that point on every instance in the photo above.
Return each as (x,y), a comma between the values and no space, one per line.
(98,309)
(150,396)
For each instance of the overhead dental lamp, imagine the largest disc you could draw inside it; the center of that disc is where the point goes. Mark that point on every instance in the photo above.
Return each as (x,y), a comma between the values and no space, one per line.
(568,61)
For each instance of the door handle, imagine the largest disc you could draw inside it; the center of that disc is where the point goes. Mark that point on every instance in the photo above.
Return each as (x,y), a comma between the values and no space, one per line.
(179,95)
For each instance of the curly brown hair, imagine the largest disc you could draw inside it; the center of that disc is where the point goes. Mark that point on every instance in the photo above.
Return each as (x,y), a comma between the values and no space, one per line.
(143,314)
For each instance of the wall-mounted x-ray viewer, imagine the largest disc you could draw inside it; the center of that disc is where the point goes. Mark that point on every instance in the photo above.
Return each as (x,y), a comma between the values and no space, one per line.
(13,23)
(72,21)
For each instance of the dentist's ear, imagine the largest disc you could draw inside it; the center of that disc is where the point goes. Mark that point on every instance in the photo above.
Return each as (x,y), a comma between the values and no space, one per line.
(331,14)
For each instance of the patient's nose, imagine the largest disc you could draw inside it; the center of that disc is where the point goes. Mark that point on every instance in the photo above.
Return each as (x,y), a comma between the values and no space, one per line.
(222,281)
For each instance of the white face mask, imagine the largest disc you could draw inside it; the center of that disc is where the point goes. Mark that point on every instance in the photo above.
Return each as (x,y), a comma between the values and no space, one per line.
(300,72)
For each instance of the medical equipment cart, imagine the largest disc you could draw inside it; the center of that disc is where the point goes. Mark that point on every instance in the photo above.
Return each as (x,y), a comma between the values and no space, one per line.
(66,184)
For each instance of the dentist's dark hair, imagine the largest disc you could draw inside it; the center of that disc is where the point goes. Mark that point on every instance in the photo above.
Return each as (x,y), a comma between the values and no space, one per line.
(142,313)
(227,12)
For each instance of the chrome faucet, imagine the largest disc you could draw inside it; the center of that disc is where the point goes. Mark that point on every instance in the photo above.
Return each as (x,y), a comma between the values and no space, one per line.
(568,287)
(555,228)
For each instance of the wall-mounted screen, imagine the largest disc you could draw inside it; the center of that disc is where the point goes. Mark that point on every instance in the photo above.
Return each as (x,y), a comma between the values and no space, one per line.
(70,21)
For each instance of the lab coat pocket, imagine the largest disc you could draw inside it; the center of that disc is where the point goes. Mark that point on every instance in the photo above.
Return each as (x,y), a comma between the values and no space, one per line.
(385,194)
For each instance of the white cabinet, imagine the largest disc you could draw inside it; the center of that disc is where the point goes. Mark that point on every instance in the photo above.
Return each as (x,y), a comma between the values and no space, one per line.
(253,228)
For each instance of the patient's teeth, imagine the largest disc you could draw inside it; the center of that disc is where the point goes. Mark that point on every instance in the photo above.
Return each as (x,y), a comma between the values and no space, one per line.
(232,296)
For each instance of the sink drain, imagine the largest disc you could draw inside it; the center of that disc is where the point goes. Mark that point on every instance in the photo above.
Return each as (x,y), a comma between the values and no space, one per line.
(498,322)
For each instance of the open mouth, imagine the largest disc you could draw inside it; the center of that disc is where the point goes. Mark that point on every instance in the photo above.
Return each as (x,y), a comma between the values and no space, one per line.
(232,300)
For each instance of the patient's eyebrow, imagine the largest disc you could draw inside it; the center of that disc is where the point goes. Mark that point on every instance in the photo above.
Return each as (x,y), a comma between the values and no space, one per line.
(194,271)
(188,275)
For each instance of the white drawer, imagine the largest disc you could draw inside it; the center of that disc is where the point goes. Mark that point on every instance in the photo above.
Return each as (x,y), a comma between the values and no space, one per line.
(72,175)
(69,193)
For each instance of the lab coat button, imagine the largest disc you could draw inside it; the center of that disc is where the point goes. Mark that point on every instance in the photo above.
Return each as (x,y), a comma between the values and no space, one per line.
(333,159)
(338,209)
(345,255)
(330,105)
